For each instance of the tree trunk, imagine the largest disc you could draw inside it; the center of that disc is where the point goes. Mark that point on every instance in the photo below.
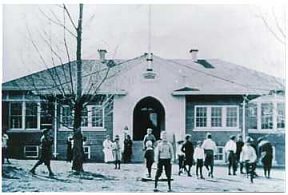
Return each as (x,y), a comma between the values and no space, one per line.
(78,153)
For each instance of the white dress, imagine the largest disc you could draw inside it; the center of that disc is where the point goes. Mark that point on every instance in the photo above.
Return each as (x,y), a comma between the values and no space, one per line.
(108,146)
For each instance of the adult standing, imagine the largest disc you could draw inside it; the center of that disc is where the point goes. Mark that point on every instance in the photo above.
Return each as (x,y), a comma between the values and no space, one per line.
(188,150)
(266,155)
(149,137)
(46,152)
(239,145)
(107,149)
(127,149)
(5,154)
(230,149)
(210,149)
(164,158)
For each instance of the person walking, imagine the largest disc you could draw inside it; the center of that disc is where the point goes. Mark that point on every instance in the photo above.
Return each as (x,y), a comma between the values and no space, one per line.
(163,158)
(107,149)
(199,157)
(46,152)
(188,150)
(5,154)
(266,155)
(117,152)
(210,149)
(230,150)
(127,149)
(248,157)
(149,157)
(239,145)
(147,137)
(180,156)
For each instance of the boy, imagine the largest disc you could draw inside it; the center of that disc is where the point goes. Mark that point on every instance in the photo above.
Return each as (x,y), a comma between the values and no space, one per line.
(163,157)
(46,152)
(199,157)
(181,156)
(149,157)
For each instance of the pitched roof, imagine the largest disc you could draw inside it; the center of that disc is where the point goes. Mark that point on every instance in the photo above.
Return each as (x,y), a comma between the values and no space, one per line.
(223,78)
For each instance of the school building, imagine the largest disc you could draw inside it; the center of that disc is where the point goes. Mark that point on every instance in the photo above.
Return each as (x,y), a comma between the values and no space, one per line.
(179,96)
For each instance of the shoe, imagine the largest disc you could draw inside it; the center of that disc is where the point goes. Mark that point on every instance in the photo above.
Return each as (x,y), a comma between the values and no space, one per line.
(229,173)
(189,175)
(156,190)
(234,174)
(51,174)
(209,174)
(202,177)
(169,190)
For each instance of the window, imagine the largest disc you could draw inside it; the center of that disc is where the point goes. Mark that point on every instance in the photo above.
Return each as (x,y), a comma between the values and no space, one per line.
(16,115)
(219,155)
(87,152)
(231,117)
(216,117)
(201,117)
(47,115)
(84,117)
(66,116)
(97,116)
(31,115)
(267,116)
(31,151)
(280,115)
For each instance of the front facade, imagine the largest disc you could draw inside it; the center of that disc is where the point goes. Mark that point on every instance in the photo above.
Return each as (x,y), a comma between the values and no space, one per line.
(178,96)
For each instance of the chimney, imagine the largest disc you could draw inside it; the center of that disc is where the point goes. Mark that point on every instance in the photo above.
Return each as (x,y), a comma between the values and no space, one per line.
(102,53)
(194,53)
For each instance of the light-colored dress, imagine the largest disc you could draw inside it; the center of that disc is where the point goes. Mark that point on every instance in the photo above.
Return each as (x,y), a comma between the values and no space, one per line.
(107,149)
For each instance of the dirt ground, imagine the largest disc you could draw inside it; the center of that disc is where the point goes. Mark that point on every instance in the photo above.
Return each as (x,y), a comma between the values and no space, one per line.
(100,177)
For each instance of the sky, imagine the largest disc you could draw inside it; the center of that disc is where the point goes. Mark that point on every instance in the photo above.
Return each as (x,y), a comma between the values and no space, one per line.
(234,33)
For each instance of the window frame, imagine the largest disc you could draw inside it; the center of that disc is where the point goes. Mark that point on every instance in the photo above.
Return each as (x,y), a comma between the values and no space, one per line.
(88,153)
(222,154)
(89,127)
(209,126)
(37,150)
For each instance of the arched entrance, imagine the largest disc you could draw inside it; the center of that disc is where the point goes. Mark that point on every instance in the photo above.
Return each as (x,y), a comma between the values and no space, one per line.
(148,113)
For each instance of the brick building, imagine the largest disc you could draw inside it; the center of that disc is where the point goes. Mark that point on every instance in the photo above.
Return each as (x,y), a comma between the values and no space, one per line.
(179,96)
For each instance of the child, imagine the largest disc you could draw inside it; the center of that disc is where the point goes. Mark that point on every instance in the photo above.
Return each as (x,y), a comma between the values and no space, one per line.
(149,157)
(117,152)
(164,158)
(248,156)
(199,157)
(181,156)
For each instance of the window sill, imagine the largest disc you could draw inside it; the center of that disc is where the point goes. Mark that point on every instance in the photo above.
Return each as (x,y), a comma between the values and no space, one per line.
(217,129)
(282,131)
(24,130)
(85,129)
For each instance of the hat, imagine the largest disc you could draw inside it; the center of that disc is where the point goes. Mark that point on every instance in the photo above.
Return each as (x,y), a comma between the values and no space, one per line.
(208,135)
(199,142)
(180,142)
(248,140)
(187,136)
(232,137)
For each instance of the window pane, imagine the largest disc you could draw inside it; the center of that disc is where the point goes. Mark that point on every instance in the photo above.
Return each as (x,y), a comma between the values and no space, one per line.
(231,117)
(252,116)
(201,117)
(66,116)
(216,117)
(267,116)
(31,151)
(97,117)
(16,115)
(219,154)
(47,114)
(31,115)
(84,117)
(280,115)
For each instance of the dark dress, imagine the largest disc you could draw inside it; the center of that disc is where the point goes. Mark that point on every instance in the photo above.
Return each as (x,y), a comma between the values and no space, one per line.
(267,158)
(46,149)
(127,150)
(239,145)
(188,150)
(69,151)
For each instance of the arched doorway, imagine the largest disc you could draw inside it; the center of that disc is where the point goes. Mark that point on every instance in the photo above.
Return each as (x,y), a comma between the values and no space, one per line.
(148,113)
